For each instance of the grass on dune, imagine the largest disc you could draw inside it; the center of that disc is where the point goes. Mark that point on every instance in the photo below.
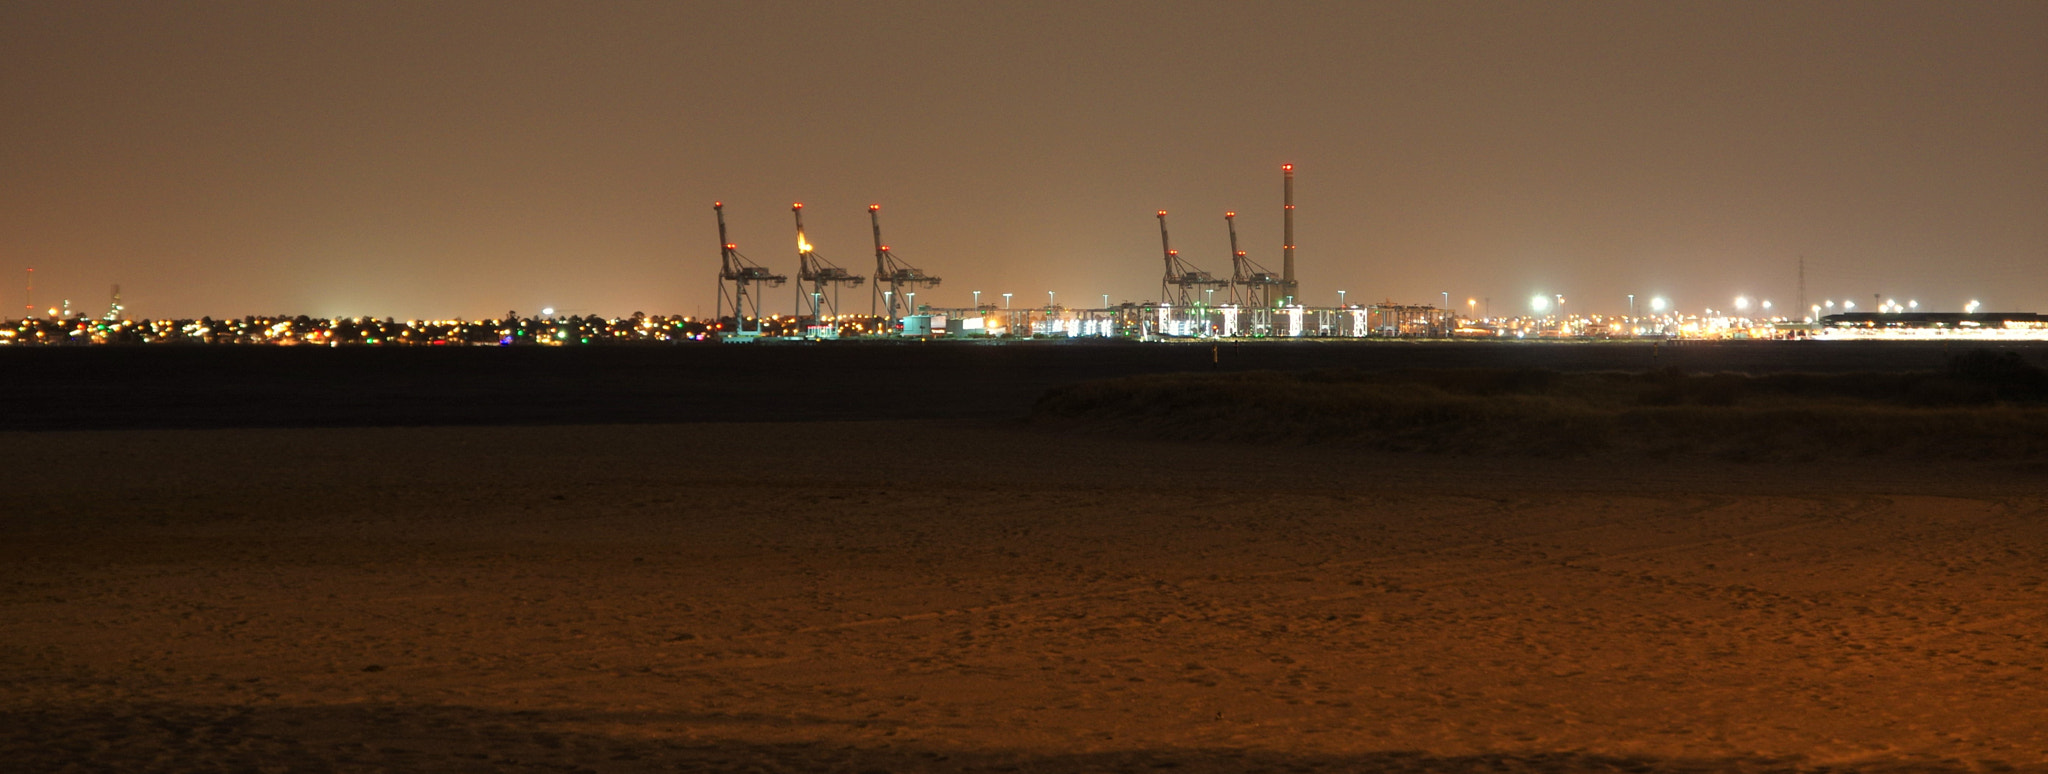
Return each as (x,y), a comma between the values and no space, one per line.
(1984,405)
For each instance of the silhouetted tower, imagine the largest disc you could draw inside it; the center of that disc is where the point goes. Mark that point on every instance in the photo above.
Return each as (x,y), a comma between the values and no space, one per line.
(114,307)
(28,297)
(1289,288)
(1181,280)
(737,277)
(819,274)
(1251,285)
(896,274)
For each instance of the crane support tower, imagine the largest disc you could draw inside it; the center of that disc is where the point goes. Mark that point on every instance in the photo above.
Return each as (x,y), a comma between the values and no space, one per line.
(737,277)
(1181,281)
(1289,288)
(819,275)
(1251,285)
(899,276)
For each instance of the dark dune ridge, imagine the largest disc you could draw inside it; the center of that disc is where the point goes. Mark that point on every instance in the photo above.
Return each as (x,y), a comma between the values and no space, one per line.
(249,386)
(1983,405)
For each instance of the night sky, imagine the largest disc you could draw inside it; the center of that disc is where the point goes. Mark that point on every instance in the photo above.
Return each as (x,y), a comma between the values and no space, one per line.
(417,159)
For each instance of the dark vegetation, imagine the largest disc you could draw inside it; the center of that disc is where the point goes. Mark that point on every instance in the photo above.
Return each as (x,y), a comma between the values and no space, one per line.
(1982,405)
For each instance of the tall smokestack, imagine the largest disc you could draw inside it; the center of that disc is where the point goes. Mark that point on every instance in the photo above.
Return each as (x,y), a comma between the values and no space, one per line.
(1288,286)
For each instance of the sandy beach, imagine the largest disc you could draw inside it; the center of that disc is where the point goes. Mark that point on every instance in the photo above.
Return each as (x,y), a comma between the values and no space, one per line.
(989,595)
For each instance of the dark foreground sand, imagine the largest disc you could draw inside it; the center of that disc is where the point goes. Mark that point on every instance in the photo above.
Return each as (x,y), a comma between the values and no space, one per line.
(989,596)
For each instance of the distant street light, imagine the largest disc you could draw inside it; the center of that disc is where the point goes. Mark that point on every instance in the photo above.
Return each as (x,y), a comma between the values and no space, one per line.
(977,299)
(1006,300)
(1340,298)
(1048,299)
(1631,304)
(1105,299)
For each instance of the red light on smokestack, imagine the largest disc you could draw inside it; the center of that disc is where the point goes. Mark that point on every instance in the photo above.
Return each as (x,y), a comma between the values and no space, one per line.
(1230,214)
(1287,167)
(797,206)
(873,207)
(1162,213)
(718,205)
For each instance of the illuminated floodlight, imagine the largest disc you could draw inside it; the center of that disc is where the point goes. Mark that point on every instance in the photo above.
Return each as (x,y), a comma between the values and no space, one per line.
(1831,304)
(1741,302)
(1912,304)
(547,311)
(1539,302)
(1970,307)
(1657,304)
(1767,303)
(1846,305)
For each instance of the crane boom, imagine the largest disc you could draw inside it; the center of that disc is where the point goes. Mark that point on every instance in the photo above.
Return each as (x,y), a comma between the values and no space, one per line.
(1165,245)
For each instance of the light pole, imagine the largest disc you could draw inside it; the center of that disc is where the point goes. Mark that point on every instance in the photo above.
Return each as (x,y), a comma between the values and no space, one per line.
(1105,300)
(1048,299)
(1340,298)
(1631,305)
(1447,299)
(977,299)
(911,299)
(1208,297)
(1006,300)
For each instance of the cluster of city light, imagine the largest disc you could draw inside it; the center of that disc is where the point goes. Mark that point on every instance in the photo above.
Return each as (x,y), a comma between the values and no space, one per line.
(350,331)
(1549,317)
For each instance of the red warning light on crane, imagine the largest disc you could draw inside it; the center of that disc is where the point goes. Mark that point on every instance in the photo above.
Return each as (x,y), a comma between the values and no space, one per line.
(731,246)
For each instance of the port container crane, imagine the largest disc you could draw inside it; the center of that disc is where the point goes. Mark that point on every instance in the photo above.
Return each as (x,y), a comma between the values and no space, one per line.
(819,275)
(1251,285)
(737,278)
(1182,281)
(901,277)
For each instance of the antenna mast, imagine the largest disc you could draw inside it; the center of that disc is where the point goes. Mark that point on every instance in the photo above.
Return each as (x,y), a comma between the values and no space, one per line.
(1288,287)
